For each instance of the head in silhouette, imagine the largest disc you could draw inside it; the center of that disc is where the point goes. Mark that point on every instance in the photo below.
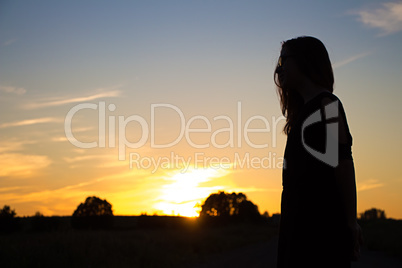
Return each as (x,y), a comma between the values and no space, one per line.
(303,61)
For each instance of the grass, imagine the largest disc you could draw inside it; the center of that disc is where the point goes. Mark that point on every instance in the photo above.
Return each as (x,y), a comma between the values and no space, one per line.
(383,235)
(152,241)
(127,247)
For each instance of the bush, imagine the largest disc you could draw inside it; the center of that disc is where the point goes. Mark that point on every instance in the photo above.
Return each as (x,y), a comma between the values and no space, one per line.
(233,206)
(8,221)
(94,213)
(40,223)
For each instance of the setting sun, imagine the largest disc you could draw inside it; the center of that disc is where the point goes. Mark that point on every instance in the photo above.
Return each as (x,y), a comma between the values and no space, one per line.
(185,195)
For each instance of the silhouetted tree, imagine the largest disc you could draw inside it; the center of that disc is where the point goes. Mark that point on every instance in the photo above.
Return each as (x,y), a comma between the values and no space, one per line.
(265,214)
(225,205)
(7,212)
(38,222)
(41,223)
(248,210)
(8,222)
(373,214)
(38,214)
(94,213)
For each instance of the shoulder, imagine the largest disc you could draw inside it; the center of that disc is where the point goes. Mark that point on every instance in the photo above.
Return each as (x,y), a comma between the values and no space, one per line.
(327,97)
(331,105)
(326,102)
(334,111)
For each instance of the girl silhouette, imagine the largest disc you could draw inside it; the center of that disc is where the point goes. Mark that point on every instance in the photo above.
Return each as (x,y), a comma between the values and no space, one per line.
(318,225)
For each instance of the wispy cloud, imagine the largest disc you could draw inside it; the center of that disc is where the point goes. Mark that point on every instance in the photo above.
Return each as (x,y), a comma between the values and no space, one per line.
(67,100)
(9,42)
(387,18)
(350,59)
(31,122)
(76,130)
(11,189)
(59,139)
(13,90)
(101,161)
(65,199)
(85,158)
(13,145)
(368,185)
(21,164)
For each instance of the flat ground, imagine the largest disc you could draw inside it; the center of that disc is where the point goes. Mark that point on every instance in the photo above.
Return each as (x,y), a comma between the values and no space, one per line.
(264,255)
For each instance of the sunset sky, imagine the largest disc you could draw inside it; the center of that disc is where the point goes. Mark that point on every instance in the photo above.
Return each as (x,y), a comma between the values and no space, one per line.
(81,82)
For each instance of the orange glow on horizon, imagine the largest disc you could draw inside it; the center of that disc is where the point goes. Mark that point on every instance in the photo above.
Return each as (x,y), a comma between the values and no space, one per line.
(185,195)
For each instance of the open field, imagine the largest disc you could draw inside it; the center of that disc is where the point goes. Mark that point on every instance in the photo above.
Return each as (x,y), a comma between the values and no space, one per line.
(171,242)
(156,241)
(383,235)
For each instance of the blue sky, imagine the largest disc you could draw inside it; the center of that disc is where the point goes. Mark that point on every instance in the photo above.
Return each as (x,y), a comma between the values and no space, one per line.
(200,56)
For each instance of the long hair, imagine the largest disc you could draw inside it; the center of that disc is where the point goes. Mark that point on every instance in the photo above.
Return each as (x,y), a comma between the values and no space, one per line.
(313,61)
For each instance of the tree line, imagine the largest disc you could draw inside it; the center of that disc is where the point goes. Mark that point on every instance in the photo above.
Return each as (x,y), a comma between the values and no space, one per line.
(218,208)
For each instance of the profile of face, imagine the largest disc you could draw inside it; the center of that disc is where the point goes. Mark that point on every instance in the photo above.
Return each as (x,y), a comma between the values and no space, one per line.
(303,66)
(289,74)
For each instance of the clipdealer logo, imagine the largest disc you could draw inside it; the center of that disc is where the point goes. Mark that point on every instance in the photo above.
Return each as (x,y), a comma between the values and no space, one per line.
(239,127)
(330,116)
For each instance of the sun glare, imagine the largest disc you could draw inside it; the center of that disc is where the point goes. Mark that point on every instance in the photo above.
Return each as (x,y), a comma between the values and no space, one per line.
(184,193)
